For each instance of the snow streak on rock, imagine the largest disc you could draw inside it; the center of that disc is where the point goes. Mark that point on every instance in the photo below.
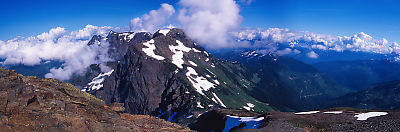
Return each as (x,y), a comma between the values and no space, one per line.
(199,83)
(97,82)
(177,57)
(150,50)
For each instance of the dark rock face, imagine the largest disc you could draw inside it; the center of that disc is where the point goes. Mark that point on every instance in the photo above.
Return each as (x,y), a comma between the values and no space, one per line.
(33,104)
(147,86)
(210,121)
(119,42)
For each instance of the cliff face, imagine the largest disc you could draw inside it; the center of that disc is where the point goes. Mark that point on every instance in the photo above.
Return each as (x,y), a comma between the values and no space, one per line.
(33,104)
(150,86)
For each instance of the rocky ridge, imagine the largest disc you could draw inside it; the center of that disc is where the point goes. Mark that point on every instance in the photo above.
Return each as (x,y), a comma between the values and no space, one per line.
(34,104)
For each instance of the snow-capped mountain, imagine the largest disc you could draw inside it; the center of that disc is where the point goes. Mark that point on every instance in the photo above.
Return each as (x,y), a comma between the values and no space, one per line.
(169,76)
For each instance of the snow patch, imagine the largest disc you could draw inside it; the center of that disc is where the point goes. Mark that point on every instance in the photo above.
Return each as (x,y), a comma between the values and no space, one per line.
(199,105)
(192,63)
(205,52)
(177,57)
(97,82)
(199,83)
(130,37)
(365,116)
(306,113)
(218,101)
(164,31)
(149,51)
(195,50)
(333,112)
(249,106)
(127,36)
(207,59)
(216,82)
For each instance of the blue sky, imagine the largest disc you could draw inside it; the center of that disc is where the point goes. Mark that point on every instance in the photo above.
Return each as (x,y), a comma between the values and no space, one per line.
(379,18)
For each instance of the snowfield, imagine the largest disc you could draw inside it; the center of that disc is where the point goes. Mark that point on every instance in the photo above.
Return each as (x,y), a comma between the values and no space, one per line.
(177,57)
(199,83)
(149,51)
(365,116)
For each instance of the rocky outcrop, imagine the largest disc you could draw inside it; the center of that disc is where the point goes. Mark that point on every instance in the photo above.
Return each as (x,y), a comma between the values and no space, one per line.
(33,104)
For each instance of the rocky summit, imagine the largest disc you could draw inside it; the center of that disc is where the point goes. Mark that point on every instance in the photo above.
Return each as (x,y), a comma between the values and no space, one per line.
(33,104)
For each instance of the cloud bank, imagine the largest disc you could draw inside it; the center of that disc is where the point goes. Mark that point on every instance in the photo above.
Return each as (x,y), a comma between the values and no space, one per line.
(360,42)
(209,21)
(153,20)
(69,48)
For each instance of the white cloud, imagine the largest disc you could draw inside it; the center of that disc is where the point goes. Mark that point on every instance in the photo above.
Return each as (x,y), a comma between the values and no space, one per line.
(359,42)
(52,34)
(57,44)
(154,20)
(209,21)
(287,51)
(313,55)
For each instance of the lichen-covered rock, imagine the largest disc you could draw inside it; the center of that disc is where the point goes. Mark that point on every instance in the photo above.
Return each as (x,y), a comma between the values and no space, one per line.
(34,104)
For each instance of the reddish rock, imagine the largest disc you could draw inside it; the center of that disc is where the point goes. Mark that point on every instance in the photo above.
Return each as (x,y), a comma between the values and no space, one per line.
(33,104)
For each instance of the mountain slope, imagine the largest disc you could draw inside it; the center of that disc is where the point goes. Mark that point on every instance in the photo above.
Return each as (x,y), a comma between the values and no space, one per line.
(360,74)
(171,77)
(382,96)
(33,104)
(284,82)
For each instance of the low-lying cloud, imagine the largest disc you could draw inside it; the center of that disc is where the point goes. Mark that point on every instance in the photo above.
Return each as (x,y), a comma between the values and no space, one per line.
(360,42)
(57,45)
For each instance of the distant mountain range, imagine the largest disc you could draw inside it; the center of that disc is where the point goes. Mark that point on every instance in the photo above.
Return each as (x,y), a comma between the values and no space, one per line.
(361,74)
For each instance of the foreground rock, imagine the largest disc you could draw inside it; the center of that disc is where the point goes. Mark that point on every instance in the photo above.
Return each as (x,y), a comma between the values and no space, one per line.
(33,104)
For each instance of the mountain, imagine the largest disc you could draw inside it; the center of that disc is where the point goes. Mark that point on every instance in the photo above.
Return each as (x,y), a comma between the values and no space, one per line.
(284,82)
(171,77)
(360,74)
(384,96)
(34,104)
